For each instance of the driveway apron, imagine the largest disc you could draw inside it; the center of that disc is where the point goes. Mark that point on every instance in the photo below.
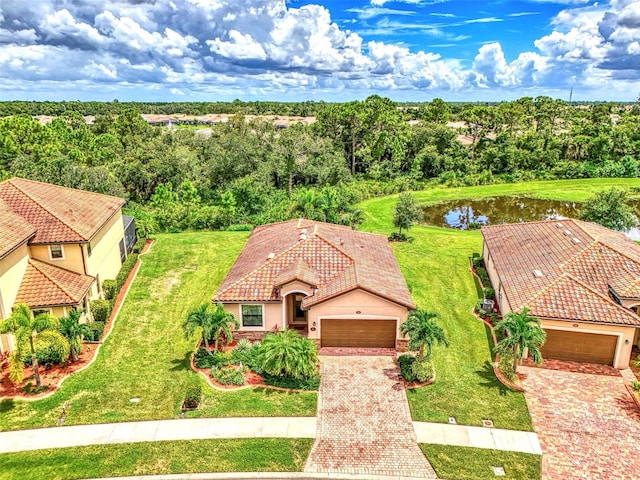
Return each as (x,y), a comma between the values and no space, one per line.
(588,425)
(364,423)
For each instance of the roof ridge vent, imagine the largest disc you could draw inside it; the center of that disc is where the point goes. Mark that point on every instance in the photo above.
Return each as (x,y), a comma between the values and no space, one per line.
(271,256)
(558,225)
(303,236)
(538,273)
(575,240)
(567,233)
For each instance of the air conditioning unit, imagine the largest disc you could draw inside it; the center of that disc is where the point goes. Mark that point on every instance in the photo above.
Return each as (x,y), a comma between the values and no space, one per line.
(487,305)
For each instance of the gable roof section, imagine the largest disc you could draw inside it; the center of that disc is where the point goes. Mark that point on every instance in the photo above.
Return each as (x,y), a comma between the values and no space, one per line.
(578,261)
(59,214)
(45,285)
(334,258)
(14,230)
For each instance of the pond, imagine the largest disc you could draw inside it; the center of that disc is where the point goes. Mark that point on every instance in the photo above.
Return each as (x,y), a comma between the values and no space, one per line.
(464,214)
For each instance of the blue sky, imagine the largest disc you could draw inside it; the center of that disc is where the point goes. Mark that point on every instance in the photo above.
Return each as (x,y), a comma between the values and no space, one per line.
(207,50)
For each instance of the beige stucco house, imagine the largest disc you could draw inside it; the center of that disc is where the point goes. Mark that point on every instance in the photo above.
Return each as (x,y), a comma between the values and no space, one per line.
(580,279)
(57,245)
(339,287)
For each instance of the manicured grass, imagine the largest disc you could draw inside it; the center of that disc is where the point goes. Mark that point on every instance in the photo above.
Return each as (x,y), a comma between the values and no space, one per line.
(147,356)
(436,267)
(378,211)
(466,463)
(156,458)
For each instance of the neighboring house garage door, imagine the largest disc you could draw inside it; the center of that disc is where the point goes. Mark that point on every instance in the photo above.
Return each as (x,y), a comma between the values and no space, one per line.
(580,347)
(358,333)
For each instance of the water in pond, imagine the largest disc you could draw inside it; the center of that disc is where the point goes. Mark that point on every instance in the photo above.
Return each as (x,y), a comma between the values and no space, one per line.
(490,211)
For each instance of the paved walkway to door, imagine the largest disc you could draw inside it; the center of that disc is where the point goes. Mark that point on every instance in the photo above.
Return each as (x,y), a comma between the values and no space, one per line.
(588,425)
(364,423)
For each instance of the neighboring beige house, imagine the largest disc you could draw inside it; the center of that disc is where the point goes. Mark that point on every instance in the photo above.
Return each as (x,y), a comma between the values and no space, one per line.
(340,287)
(580,279)
(57,245)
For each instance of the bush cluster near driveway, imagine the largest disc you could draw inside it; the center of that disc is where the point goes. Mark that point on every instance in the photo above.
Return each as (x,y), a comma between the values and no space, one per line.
(158,458)
(466,463)
(146,355)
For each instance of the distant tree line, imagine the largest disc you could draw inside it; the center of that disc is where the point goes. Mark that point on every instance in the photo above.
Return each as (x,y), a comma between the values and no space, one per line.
(251,172)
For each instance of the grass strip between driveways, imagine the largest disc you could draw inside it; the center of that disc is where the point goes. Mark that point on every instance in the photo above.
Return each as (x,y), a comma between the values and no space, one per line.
(467,463)
(147,357)
(155,458)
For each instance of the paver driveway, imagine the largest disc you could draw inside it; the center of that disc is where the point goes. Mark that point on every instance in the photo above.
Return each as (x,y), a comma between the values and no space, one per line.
(364,423)
(588,425)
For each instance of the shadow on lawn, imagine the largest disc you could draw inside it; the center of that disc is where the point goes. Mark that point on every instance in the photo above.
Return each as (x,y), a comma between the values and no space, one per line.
(184,364)
(490,379)
(7,405)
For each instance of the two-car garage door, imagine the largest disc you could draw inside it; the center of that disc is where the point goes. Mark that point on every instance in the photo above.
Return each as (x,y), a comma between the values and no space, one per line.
(580,347)
(358,333)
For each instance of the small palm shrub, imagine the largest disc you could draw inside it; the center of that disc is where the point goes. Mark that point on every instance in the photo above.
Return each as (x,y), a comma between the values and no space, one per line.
(288,354)
(229,374)
(245,353)
(406,362)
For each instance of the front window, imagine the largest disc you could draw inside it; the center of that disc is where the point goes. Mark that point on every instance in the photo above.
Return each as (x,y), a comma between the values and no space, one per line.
(56,252)
(252,315)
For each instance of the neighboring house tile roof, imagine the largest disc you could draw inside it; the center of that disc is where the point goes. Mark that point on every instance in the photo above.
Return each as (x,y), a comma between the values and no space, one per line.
(14,230)
(334,258)
(578,262)
(45,285)
(59,214)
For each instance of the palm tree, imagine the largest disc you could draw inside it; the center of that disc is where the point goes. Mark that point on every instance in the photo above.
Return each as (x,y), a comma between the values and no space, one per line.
(30,332)
(221,322)
(74,331)
(522,333)
(288,353)
(209,324)
(423,332)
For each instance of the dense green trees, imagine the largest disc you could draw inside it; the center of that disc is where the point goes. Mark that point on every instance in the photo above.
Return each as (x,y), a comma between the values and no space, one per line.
(611,209)
(251,172)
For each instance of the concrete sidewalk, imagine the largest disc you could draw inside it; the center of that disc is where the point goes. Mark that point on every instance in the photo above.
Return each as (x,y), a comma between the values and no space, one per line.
(248,427)
(478,437)
(153,431)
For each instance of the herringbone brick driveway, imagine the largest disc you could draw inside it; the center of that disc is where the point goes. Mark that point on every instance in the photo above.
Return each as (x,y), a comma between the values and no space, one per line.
(364,423)
(588,425)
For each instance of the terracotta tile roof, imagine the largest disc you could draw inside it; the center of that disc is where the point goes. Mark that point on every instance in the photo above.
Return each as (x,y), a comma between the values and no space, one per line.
(335,258)
(578,262)
(59,214)
(45,285)
(14,230)
(298,270)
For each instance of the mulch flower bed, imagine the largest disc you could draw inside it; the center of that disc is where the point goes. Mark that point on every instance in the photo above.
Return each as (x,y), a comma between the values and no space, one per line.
(52,377)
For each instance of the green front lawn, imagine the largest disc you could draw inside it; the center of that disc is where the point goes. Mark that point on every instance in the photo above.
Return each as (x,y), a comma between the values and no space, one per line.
(466,463)
(146,356)
(436,267)
(158,458)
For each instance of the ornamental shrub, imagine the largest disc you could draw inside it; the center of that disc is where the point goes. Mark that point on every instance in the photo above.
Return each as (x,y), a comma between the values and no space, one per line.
(101,309)
(95,331)
(422,369)
(110,289)
(192,397)
(292,383)
(406,362)
(204,359)
(229,374)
